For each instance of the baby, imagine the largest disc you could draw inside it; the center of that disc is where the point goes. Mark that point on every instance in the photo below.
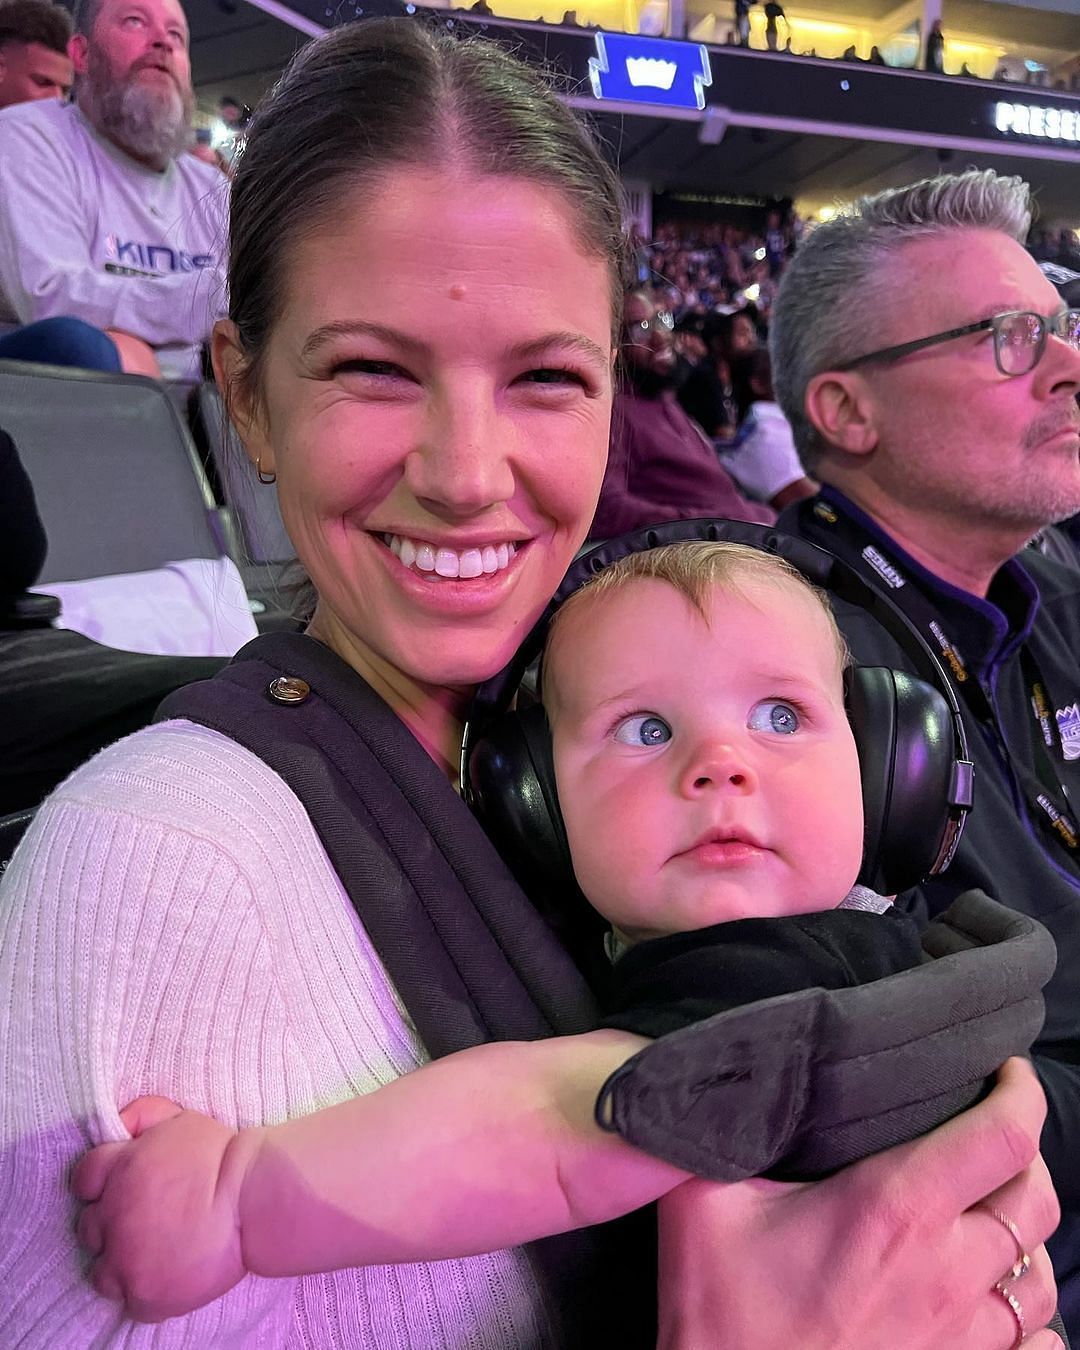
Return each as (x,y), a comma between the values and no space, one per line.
(706,773)
(710,783)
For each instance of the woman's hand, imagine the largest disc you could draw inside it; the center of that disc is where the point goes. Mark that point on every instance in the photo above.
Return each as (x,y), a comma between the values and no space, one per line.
(899,1250)
(161,1217)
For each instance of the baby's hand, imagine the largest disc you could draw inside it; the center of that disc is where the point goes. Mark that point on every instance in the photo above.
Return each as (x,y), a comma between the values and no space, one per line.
(161,1218)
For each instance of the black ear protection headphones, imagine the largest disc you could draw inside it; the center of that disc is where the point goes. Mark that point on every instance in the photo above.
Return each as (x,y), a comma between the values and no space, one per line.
(917,776)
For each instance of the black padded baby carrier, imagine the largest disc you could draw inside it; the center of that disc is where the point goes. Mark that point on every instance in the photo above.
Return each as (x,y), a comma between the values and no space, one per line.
(799,1085)
(469,955)
(473,961)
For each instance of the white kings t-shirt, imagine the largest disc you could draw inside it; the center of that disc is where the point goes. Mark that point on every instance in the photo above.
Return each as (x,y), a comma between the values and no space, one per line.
(87,232)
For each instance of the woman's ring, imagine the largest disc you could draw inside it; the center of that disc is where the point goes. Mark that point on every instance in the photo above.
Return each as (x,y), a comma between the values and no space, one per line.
(1016,1310)
(1023,1260)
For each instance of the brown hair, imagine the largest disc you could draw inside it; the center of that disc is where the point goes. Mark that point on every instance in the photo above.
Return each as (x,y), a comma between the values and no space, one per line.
(386,93)
(37,21)
(693,569)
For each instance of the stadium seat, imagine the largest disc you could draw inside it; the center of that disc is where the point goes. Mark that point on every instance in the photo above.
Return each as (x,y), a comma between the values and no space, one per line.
(117,478)
(12,829)
(253,507)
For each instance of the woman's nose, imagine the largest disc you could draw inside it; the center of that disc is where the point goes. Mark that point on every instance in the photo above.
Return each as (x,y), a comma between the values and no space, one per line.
(718,766)
(463,467)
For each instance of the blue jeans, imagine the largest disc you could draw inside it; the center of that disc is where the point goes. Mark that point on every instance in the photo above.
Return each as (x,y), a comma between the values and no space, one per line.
(61,342)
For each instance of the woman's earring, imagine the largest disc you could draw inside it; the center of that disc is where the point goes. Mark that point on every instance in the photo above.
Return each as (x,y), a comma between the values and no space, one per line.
(264,477)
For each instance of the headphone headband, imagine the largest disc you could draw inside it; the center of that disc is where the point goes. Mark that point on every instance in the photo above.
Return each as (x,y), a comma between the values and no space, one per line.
(819,567)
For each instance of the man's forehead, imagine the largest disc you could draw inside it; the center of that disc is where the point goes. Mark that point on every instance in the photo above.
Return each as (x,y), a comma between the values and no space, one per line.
(167,9)
(965,275)
(55,65)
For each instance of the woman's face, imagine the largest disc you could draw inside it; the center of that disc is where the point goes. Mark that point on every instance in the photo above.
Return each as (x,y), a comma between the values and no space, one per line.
(435,403)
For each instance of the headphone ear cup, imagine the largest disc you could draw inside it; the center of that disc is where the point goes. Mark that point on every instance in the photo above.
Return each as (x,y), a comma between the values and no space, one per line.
(512,792)
(904,734)
(513,795)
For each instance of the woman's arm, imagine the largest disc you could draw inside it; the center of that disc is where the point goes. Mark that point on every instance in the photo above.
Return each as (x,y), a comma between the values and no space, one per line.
(107,959)
(485,1149)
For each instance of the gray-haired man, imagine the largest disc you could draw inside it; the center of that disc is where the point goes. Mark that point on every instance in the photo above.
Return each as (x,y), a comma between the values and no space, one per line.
(930,372)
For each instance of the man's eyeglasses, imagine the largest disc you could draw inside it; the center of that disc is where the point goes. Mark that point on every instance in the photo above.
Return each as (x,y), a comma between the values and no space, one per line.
(1019,339)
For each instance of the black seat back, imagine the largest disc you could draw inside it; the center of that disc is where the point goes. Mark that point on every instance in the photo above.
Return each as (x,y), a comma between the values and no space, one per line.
(12,829)
(253,505)
(116,475)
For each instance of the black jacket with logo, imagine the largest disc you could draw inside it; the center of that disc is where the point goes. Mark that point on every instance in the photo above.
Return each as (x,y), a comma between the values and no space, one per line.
(1008,848)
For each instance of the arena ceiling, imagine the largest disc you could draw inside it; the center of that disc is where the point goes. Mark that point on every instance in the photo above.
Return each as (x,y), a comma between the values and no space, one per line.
(818,169)
(238,48)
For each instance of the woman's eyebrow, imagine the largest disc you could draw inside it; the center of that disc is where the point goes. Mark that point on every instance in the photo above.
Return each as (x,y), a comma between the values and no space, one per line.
(326,333)
(576,342)
(360,328)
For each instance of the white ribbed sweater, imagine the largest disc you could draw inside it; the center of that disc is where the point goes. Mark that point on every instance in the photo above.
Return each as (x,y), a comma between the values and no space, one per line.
(172,925)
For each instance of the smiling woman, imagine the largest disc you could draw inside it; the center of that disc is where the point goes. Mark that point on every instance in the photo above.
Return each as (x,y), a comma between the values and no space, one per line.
(391,411)
(425,278)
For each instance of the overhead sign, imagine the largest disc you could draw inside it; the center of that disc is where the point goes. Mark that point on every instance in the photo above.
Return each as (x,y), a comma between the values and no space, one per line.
(638,69)
(1044,124)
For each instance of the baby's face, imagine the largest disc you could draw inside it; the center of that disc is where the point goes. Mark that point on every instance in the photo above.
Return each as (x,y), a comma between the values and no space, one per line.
(706,771)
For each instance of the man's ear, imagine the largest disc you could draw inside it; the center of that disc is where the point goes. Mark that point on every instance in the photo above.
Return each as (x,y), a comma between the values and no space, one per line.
(245,409)
(77,50)
(843,411)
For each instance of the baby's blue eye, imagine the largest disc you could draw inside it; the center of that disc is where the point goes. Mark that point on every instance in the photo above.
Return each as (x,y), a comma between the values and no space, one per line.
(769,715)
(644,729)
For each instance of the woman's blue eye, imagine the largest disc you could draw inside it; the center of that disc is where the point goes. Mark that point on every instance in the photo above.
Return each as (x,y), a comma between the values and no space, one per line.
(644,729)
(770,715)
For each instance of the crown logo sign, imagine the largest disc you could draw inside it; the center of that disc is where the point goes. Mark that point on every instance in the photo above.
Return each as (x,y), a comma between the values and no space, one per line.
(650,73)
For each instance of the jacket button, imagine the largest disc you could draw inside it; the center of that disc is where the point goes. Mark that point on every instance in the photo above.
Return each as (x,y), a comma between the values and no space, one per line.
(289,689)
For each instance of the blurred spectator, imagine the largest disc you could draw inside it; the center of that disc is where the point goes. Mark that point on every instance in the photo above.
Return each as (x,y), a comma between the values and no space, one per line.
(708,395)
(706,266)
(773,12)
(935,49)
(765,463)
(742,21)
(34,61)
(233,117)
(776,244)
(850,54)
(1068,250)
(102,215)
(234,114)
(875,58)
(661,465)
(203,148)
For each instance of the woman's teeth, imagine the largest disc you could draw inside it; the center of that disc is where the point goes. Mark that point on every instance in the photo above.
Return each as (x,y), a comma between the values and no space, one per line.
(449,562)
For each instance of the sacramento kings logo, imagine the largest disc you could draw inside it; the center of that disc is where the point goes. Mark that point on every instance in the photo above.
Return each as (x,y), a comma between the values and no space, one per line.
(1068,721)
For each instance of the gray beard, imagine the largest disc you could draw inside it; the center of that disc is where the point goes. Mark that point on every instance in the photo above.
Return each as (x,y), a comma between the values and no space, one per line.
(152,125)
